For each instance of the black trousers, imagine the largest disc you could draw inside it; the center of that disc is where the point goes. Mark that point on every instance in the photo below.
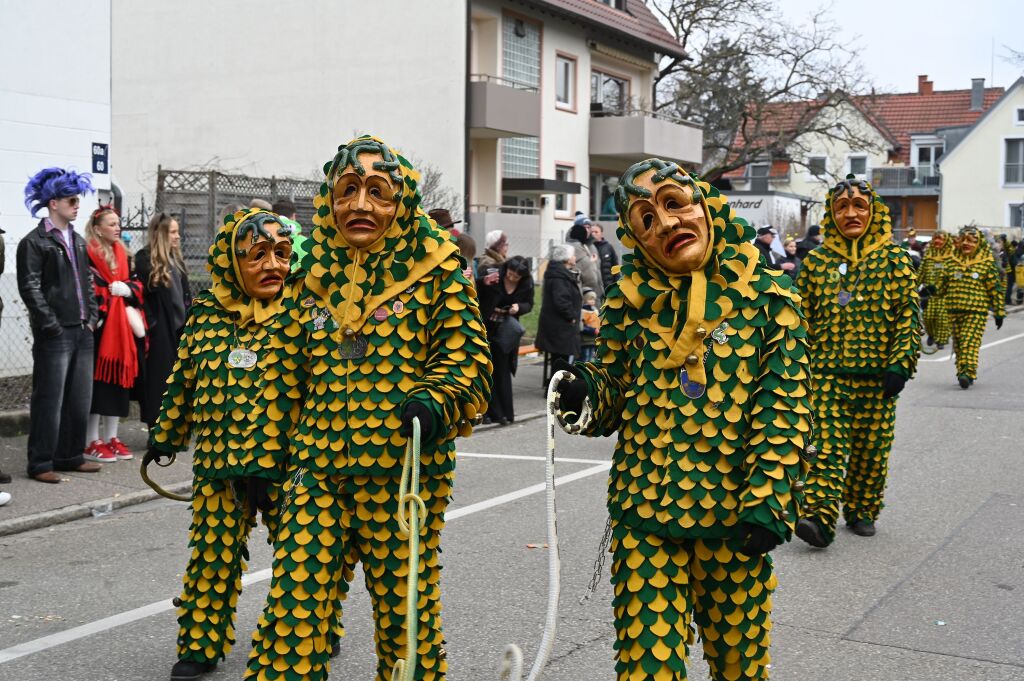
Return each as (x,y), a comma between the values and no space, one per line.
(62,369)
(501,390)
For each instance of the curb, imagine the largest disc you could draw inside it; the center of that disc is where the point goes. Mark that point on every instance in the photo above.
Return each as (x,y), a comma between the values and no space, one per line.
(66,514)
(13,423)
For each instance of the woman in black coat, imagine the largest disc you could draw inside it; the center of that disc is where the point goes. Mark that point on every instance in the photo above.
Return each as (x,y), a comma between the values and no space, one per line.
(508,293)
(166,298)
(558,331)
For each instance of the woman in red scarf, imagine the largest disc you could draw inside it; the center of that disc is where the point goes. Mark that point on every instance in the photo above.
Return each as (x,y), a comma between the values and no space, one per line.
(117,355)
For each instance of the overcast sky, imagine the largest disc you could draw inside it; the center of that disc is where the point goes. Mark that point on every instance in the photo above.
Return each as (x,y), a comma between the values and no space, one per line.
(950,41)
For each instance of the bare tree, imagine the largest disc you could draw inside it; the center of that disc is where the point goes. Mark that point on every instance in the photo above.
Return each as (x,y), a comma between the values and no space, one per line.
(1012,56)
(436,194)
(757,82)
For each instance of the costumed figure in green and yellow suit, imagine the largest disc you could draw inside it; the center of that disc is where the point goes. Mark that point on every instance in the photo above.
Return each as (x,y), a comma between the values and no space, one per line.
(226,391)
(972,286)
(386,328)
(702,370)
(860,299)
(934,313)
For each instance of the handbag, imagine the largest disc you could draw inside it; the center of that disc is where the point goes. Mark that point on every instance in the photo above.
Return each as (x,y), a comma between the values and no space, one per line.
(135,321)
(508,334)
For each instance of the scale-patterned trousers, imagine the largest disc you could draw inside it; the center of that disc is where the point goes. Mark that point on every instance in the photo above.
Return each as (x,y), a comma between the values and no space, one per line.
(968,328)
(854,427)
(213,579)
(327,524)
(660,584)
(936,320)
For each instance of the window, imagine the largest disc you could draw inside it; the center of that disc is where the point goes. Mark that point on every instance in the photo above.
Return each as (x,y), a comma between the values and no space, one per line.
(602,194)
(1014,173)
(757,173)
(817,165)
(608,94)
(563,204)
(520,62)
(565,82)
(859,165)
(925,163)
(1019,116)
(617,4)
(1017,215)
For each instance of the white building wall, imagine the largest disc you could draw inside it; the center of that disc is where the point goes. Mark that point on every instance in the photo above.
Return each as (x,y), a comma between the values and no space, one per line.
(271,88)
(973,187)
(54,105)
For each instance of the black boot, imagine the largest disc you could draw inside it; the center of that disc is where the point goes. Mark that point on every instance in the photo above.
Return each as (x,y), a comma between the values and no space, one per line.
(811,532)
(335,645)
(964,382)
(862,528)
(186,670)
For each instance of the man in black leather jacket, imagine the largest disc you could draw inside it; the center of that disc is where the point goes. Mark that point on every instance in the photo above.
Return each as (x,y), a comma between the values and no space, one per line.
(56,285)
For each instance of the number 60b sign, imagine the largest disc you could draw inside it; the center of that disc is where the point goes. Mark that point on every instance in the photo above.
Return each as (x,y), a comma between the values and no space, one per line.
(100,164)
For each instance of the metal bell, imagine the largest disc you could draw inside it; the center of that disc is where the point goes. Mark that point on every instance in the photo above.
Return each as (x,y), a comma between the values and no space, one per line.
(701,332)
(799,485)
(692,360)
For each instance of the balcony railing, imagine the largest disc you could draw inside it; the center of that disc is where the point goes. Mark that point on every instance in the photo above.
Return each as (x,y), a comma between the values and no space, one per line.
(599,110)
(900,178)
(499,80)
(507,210)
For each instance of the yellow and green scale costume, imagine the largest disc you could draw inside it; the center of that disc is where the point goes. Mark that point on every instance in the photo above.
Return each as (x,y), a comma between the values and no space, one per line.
(860,300)
(972,286)
(704,378)
(239,417)
(935,315)
(371,329)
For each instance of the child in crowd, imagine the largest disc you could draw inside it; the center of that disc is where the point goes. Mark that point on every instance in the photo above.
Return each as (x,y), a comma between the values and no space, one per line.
(590,325)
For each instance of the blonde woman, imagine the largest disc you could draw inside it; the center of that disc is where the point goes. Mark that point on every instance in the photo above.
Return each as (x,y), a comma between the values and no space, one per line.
(117,354)
(166,298)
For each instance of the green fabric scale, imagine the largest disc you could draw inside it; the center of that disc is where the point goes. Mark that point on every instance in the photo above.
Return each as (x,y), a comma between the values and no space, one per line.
(975,287)
(936,315)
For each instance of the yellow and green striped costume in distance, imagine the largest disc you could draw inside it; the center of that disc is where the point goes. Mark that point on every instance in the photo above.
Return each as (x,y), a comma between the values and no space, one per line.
(972,286)
(239,418)
(704,378)
(936,316)
(372,329)
(861,304)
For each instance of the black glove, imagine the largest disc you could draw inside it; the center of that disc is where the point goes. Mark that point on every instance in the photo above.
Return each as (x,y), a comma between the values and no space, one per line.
(757,540)
(154,454)
(999,322)
(929,290)
(892,384)
(415,408)
(570,393)
(257,494)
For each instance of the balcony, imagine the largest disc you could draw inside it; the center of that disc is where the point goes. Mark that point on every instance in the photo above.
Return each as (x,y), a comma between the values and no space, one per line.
(632,135)
(499,107)
(905,181)
(520,223)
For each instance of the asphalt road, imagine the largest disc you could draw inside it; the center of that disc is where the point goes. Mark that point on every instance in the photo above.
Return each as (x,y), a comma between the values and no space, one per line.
(938,593)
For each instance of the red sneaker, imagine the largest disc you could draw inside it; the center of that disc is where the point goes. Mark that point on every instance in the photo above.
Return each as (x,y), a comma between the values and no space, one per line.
(99,452)
(120,450)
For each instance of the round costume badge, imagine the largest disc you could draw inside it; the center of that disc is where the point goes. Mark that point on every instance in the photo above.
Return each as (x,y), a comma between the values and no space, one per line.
(843,298)
(380,314)
(242,358)
(691,389)
(398,307)
(842,268)
(974,275)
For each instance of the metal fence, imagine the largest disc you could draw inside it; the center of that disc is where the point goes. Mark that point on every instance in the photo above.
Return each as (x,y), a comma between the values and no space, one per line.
(198,199)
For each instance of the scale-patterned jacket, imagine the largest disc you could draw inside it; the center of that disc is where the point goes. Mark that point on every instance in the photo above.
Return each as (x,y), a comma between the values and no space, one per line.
(877,330)
(690,461)
(973,283)
(934,263)
(239,417)
(408,300)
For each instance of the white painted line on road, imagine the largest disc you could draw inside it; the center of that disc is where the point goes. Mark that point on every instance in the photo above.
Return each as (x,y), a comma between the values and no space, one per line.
(517,457)
(983,347)
(46,642)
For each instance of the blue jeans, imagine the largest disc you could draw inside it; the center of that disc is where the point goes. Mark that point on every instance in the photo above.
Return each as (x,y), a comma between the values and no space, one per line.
(62,369)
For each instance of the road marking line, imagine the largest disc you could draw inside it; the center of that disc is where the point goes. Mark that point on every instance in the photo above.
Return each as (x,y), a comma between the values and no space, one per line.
(517,457)
(46,642)
(983,347)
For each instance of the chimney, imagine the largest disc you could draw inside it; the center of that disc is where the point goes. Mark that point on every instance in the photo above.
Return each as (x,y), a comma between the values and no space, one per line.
(924,86)
(977,93)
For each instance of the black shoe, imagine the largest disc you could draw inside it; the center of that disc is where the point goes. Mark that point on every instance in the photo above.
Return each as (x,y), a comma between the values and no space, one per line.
(964,382)
(487,420)
(862,528)
(929,341)
(811,532)
(335,645)
(941,346)
(186,670)
(5,479)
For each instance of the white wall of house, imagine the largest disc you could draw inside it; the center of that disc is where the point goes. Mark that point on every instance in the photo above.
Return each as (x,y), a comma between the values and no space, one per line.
(270,88)
(974,183)
(54,106)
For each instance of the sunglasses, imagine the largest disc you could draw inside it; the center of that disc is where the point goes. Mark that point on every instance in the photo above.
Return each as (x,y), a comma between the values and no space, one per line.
(72,201)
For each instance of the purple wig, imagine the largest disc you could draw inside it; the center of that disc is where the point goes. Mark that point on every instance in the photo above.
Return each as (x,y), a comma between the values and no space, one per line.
(55,183)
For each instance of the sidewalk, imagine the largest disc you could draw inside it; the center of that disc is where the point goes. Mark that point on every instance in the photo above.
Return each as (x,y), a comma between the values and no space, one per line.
(34,504)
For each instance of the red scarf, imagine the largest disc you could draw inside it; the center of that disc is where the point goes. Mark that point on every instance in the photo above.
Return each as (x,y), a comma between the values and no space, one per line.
(117,360)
